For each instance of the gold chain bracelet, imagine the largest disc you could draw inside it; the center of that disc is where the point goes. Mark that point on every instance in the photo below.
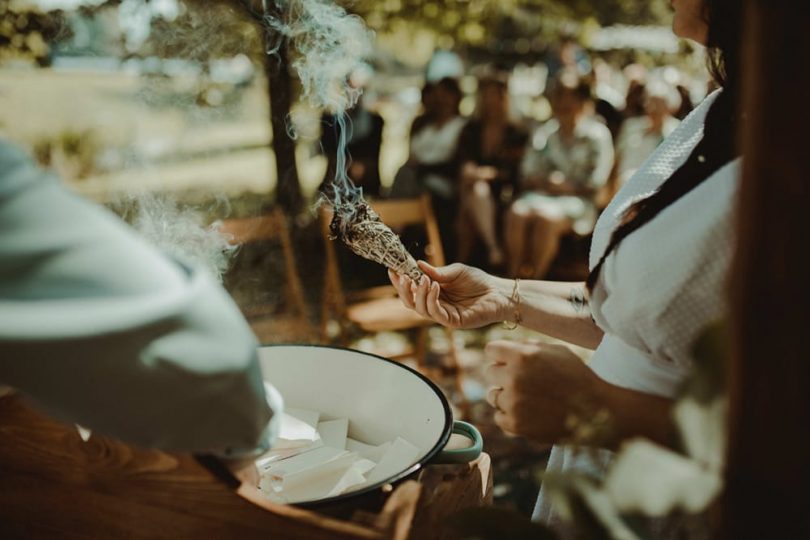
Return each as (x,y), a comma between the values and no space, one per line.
(515,300)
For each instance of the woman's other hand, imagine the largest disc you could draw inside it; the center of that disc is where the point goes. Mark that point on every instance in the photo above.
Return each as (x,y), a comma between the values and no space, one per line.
(533,386)
(457,296)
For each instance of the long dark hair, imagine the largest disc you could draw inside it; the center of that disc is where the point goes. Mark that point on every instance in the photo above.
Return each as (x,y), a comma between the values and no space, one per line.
(718,145)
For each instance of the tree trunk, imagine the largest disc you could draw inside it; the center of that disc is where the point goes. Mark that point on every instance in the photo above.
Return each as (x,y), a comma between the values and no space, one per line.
(279,87)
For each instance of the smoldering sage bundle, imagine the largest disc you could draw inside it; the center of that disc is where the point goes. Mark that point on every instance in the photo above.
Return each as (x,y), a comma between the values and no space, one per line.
(366,235)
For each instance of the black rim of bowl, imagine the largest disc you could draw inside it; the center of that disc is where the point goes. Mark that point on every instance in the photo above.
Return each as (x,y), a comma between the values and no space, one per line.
(448,427)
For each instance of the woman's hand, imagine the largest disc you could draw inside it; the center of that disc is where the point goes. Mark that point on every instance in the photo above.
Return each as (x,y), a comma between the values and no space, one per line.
(457,295)
(533,387)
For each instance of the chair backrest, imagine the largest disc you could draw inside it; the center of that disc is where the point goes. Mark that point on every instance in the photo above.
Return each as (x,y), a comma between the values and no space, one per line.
(256,229)
(270,227)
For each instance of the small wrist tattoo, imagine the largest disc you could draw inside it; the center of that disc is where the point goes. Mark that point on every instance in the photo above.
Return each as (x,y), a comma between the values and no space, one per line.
(577,299)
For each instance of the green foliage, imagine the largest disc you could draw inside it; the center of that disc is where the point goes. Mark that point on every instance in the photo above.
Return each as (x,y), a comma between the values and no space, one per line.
(25,32)
(205,31)
(73,153)
(487,22)
(221,28)
(608,12)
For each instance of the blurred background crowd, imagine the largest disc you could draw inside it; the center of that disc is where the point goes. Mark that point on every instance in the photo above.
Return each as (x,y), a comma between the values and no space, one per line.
(509,186)
(519,119)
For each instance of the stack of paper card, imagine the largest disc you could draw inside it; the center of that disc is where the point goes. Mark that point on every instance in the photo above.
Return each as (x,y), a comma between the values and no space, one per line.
(315,459)
(298,433)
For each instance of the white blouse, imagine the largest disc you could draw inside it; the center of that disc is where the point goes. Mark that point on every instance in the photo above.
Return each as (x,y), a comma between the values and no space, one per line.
(662,286)
(437,144)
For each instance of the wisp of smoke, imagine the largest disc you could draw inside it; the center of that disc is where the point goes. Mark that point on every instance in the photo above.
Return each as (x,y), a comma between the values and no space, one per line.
(182,233)
(329,44)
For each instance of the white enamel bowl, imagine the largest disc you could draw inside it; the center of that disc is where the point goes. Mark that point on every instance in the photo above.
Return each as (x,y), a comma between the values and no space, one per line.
(381,398)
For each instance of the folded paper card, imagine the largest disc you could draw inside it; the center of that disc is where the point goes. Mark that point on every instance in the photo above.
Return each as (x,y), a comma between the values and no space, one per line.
(309,468)
(302,462)
(351,478)
(368,451)
(333,432)
(329,482)
(314,460)
(399,457)
(305,415)
(296,435)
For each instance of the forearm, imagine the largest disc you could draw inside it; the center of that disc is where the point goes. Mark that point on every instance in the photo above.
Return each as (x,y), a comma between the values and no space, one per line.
(558,309)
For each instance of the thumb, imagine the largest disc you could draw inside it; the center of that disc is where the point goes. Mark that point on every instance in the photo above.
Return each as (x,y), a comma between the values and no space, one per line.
(440,274)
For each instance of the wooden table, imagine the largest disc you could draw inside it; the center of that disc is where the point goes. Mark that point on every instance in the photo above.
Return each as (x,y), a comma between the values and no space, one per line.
(55,485)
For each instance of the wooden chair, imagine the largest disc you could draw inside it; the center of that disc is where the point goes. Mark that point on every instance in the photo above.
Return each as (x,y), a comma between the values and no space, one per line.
(294,324)
(378,309)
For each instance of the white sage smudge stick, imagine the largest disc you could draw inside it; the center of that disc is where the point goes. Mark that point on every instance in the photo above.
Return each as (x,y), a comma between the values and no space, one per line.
(366,235)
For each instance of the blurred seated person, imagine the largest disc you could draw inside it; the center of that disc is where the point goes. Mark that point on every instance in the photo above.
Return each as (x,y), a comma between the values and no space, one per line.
(364,129)
(568,56)
(609,102)
(490,149)
(431,163)
(570,160)
(429,105)
(687,105)
(640,136)
(431,166)
(636,76)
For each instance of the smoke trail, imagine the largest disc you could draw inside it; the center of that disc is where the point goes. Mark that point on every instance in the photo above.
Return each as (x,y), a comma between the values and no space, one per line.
(329,44)
(181,232)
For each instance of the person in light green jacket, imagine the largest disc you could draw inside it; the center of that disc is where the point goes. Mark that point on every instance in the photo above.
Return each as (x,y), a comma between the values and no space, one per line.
(99,328)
